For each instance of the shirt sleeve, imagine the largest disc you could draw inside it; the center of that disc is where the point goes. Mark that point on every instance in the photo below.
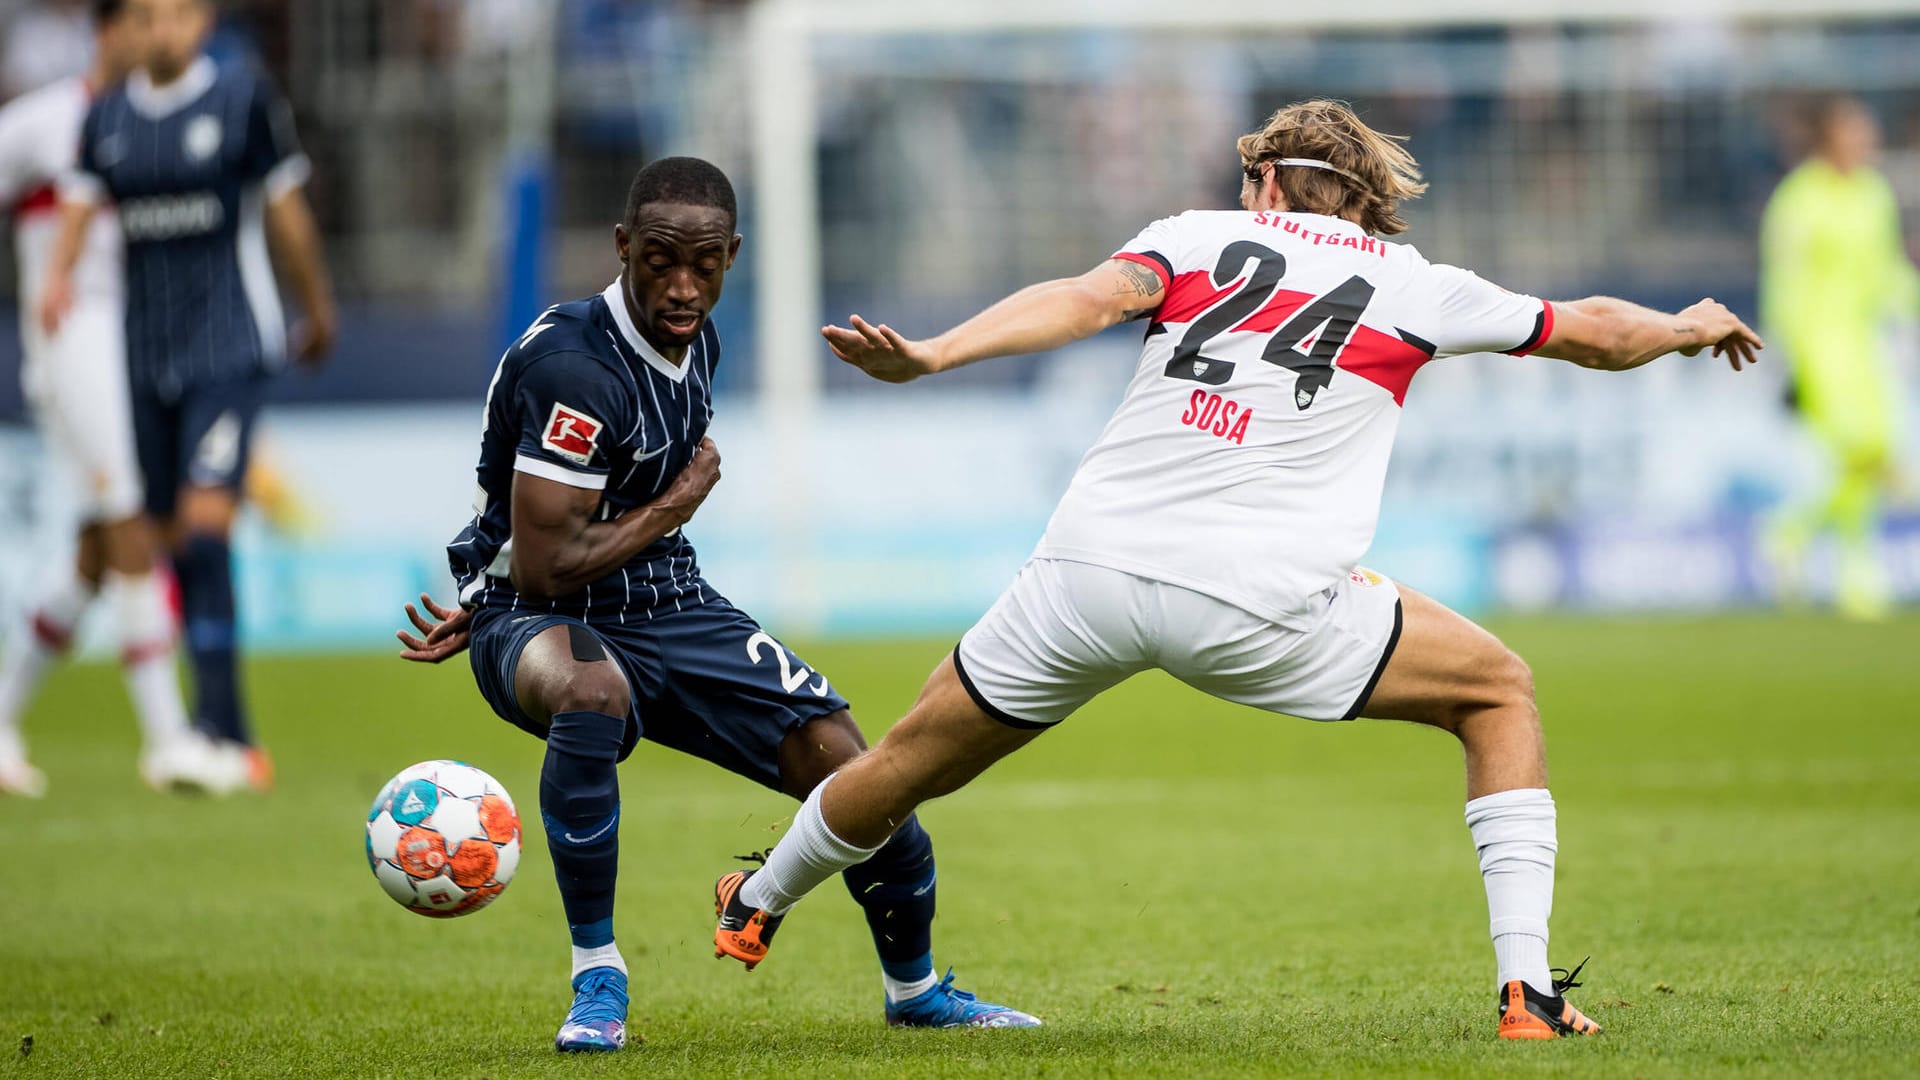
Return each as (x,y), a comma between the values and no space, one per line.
(567,408)
(1154,249)
(273,155)
(15,155)
(1471,314)
(85,182)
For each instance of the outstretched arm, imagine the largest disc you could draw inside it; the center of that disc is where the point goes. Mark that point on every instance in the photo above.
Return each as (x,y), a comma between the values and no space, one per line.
(559,549)
(1035,319)
(296,240)
(1614,335)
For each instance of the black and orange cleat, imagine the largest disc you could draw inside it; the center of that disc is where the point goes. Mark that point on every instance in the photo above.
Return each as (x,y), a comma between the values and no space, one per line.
(745,933)
(1526,1013)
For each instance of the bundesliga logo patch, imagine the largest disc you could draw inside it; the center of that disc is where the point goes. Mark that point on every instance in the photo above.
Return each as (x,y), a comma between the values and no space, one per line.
(571,433)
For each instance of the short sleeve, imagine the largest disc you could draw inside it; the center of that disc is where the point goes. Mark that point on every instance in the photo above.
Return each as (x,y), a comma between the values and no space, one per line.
(86,181)
(1153,248)
(567,409)
(273,156)
(16,170)
(1471,314)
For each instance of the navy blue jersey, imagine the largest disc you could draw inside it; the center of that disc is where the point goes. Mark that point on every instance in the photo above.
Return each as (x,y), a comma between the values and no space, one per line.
(584,400)
(190,166)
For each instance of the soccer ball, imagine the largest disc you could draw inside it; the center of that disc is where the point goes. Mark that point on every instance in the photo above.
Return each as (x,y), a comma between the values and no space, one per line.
(443,838)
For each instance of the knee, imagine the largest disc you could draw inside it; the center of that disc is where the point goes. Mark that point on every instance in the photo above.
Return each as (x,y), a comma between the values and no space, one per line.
(1512,683)
(1503,688)
(591,687)
(816,749)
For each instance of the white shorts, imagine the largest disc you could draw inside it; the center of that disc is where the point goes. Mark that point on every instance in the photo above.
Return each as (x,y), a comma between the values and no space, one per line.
(77,384)
(1065,631)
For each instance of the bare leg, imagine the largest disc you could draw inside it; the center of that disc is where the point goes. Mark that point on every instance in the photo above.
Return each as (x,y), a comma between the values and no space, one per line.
(1451,674)
(944,742)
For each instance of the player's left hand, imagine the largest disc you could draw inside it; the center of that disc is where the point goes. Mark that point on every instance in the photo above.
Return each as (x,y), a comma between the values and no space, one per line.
(313,338)
(880,352)
(448,636)
(1724,331)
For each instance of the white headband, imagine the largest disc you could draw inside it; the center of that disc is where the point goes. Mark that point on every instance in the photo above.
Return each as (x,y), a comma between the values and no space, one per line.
(1316,163)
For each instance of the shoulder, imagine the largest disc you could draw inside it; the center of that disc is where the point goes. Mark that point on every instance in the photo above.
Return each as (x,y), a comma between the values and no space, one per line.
(47,105)
(564,343)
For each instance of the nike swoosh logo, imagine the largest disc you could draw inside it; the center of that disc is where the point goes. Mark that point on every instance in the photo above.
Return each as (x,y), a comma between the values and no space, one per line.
(639,456)
(591,837)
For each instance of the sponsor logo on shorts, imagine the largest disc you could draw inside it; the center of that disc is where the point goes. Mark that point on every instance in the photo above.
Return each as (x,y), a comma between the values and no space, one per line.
(1360,575)
(571,433)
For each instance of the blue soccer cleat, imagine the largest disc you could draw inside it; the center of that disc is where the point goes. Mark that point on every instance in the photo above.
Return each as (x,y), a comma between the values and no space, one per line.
(598,1020)
(945,1007)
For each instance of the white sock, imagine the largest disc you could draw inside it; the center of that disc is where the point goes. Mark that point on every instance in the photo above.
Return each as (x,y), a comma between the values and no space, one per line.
(1514,832)
(147,653)
(607,955)
(27,653)
(898,991)
(808,855)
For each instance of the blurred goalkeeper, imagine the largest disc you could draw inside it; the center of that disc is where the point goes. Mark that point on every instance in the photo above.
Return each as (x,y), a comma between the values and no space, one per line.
(1212,531)
(1832,271)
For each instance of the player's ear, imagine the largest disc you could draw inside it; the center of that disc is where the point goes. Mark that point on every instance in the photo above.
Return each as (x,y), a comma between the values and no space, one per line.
(733,250)
(620,242)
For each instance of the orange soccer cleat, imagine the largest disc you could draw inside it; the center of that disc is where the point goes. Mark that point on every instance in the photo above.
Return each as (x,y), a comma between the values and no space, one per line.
(745,933)
(1526,1013)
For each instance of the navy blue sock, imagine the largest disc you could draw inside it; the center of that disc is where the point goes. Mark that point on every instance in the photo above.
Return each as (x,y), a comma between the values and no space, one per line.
(896,890)
(204,565)
(580,805)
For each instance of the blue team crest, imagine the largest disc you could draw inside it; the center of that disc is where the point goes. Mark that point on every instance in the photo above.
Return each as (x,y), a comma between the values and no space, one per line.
(202,137)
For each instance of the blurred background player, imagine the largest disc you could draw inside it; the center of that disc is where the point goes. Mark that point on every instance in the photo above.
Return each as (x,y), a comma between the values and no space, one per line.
(1833,272)
(77,380)
(197,157)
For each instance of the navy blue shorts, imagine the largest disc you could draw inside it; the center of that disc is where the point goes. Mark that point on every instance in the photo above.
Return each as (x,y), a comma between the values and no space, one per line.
(706,681)
(200,437)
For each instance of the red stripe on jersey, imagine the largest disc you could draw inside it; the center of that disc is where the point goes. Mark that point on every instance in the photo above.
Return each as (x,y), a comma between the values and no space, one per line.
(1191,293)
(1541,332)
(1268,319)
(38,201)
(1385,360)
(1150,263)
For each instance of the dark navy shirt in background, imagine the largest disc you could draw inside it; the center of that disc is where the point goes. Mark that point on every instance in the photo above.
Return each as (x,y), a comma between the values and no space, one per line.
(190,167)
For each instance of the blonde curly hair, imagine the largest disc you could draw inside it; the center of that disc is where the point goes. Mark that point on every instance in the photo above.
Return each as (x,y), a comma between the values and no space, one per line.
(1330,131)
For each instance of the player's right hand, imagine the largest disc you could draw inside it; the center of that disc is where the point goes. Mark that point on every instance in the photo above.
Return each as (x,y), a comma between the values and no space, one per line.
(56,299)
(448,636)
(313,338)
(1724,331)
(879,351)
(694,483)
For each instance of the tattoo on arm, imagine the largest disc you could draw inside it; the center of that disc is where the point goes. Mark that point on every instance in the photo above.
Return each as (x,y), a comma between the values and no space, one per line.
(1140,281)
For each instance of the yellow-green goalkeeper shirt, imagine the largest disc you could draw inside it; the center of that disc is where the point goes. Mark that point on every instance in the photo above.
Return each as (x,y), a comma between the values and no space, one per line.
(1833,269)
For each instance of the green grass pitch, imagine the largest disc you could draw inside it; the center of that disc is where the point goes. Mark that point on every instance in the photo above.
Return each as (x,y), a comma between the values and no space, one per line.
(1180,887)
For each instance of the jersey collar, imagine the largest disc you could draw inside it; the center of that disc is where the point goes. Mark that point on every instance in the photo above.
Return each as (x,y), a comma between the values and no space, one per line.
(616,300)
(159,102)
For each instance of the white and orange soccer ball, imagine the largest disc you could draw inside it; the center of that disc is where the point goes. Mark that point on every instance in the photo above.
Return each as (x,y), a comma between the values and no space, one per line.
(443,838)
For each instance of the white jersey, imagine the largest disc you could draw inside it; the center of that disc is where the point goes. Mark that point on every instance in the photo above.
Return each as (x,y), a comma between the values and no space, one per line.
(39,144)
(1248,457)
